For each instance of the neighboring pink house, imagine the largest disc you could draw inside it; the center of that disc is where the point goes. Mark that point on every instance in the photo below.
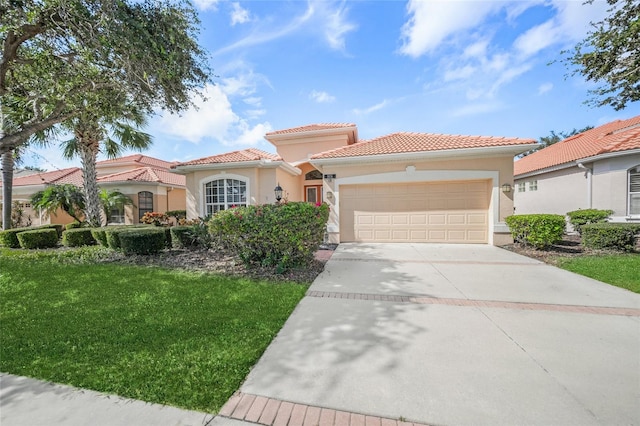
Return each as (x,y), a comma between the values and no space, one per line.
(403,187)
(148,181)
(599,168)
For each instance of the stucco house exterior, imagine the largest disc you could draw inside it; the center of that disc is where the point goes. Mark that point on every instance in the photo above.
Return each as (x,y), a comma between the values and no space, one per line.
(402,187)
(599,169)
(148,181)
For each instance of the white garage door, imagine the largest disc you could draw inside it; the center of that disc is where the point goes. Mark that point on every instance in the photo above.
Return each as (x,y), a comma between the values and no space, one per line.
(443,212)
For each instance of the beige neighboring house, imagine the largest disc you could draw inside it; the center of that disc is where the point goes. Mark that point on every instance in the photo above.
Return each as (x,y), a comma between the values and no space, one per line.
(148,181)
(403,187)
(599,169)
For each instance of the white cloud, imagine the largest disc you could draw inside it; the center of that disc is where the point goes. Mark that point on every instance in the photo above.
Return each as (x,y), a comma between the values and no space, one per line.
(239,15)
(206,4)
(537,38)
(336,25)
(476,109)
(544,88)
(213,118)
(432,22)
(461,73)
(321,97)
(371,109)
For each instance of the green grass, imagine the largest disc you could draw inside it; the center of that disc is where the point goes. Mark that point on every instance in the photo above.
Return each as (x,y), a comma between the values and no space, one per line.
(622,270)
(175,338)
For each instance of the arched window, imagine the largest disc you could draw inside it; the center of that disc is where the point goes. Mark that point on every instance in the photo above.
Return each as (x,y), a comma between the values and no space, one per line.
(222,194)
(313,175)
(145,203)
(634,191)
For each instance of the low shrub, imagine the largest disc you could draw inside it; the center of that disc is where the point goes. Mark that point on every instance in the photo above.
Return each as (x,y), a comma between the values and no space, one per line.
(142,241)
(155,218)
(618,236)
(77,237)
(182,236)
(283,236)
(578,218)
(73,225)
(9,237)
(112,233)
(38,238)
(100,235)
(537,230)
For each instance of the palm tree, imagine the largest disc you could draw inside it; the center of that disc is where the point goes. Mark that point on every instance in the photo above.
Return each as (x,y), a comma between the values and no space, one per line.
(109,126)
(112,200)
(67,197)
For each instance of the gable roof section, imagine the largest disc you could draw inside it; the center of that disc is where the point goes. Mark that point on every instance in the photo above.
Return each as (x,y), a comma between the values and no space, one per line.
(145,175)
(617,136)
(139,159)
(311,128)
(245,155)
(72,175)
(408,142)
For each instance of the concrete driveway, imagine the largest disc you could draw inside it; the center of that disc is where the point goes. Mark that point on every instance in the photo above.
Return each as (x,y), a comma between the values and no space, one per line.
(448,335)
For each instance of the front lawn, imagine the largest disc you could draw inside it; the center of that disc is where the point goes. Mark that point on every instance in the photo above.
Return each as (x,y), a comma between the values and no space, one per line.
(621,270)
(179,338)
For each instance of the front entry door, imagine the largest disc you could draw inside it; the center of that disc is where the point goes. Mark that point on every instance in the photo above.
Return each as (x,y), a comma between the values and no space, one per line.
(313,194)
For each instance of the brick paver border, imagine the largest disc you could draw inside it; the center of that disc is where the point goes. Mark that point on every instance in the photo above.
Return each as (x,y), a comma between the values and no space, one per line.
(274,412)
(426,300)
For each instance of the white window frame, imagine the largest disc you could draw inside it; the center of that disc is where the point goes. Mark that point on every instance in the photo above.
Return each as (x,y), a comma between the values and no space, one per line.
(227,203)
(635,171)
(522,186)
(533,185)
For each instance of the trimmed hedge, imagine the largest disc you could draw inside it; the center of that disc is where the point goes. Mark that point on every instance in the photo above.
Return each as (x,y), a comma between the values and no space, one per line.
(77,237)
(618,236)
(142,241)
(284,236)
(38,238)
(112,234)
(538,230)
(578,218)
(100,235)
(9,237)
(182,236)
(73,225)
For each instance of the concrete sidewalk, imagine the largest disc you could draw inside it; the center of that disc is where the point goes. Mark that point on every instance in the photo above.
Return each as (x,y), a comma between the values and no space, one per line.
(449,334)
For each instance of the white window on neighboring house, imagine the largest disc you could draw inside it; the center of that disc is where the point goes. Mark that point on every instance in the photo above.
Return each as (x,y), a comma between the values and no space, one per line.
(223,194)
(521,187)
(634,191)
(533,185)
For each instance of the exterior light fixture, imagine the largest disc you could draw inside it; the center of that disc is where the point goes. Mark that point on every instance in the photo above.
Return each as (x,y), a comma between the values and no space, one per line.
(506,188)
(278,192)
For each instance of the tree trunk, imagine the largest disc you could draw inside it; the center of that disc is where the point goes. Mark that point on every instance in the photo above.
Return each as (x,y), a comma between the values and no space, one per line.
(7,188)
(88,156)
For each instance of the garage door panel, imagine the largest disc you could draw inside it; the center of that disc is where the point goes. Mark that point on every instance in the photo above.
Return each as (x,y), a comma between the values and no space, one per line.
(418,212)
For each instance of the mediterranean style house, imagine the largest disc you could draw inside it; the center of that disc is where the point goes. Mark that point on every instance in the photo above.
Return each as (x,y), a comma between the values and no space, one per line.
(599,169)
(402,187)
(148,181)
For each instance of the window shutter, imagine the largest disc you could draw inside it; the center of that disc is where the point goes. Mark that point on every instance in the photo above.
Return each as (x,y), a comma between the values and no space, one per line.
(634,182)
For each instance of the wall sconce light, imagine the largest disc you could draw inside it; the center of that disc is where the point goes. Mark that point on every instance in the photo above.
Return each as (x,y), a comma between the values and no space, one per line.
(329,195)
(278,192)
(506,188)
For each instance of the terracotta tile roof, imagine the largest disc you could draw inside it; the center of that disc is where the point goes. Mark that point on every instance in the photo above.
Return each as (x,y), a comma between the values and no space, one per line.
(140,159)
(312,128)
(404,142)
(71,175)
(619,135)
(145,174)
(250,154)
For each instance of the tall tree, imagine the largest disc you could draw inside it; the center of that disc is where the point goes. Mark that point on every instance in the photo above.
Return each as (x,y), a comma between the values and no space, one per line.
(610,55)
(56,51)
(553,138)
(108,122)
(66,197)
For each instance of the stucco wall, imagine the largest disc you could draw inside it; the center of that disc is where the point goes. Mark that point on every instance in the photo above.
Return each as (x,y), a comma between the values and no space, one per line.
(558,192)
(297,150)
(610,184)
(498,169)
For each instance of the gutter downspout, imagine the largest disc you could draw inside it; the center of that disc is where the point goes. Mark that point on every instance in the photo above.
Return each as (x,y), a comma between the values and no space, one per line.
(588,173)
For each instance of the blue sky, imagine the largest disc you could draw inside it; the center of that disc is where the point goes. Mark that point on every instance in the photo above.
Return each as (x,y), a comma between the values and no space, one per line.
(456,67)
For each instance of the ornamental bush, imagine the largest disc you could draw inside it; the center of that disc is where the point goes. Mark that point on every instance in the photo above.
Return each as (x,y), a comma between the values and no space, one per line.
(538,230)
(284,236)
(77,237)
(578,218)
(100,235)
(142,240)
(155,218)
(73,225)
(113,234)
(618,236)
(38,238)
(9,237)
(182,236)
